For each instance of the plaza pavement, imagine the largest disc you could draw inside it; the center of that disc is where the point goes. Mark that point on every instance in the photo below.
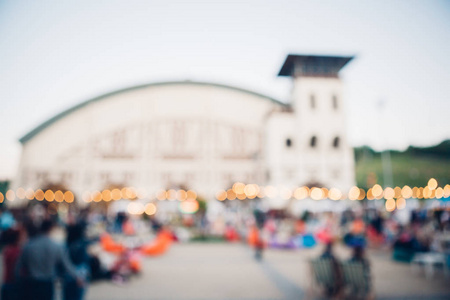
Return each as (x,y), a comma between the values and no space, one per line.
(220,271)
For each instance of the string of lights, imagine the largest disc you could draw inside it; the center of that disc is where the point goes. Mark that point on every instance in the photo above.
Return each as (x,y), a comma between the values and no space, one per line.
(395,197)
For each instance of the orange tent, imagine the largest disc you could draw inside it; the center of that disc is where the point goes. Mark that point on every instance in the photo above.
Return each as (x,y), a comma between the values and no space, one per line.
(109,245)
(160,245)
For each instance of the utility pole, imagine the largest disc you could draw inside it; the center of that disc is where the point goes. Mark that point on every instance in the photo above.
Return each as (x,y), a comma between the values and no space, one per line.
(385,154)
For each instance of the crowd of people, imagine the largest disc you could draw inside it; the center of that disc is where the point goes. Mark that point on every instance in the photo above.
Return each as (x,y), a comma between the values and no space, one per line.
(33,260)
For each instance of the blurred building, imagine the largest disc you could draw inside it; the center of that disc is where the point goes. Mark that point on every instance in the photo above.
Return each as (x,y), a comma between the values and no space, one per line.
(200,136)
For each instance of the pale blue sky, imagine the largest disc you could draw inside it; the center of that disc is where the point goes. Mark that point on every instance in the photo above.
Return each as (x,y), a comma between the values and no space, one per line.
(55,54)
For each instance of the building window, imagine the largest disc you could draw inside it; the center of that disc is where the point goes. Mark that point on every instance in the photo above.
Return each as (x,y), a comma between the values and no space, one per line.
(336,142)
(313,142)
(335,102)
(312,101)
(288,143)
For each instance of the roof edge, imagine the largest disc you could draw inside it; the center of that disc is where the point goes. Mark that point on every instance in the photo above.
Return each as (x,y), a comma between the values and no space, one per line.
(25,138)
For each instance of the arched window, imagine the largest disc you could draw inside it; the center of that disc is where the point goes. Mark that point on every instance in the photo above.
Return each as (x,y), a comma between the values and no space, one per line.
(313,142)
(336,142)
(312,101)
(335,102)
(288,143)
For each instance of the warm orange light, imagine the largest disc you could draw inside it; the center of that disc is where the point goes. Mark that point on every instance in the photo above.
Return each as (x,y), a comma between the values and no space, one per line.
(301,193)
(250,190)
(161,195)
(389,193)
(116,194)
(68,197)
(415,192)
(29,193)
(426,192)
(231,195)
(10,195)
(181,195)
(135,208)
(39,195)
(2,198)
(353,193)
(377,191)
(124,193)
(171,194)
(59,196)
(49,195)
(447,191)
(432,184)
(362,194)
(439,193)
(131,193)
(241,196)
(334,194)
(191,195)
(370,195)
(420,193)
(316,193)
(407,192)
(150,209)
(398,192)
(20,193)
(390,204)
(189,206)
(106,195)
(324,193)
(238,188)
(221,195)
(97,196)
(401,203)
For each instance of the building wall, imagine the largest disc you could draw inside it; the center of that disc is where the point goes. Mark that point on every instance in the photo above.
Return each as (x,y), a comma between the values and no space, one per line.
(201,137)
(324,119)
(194,136)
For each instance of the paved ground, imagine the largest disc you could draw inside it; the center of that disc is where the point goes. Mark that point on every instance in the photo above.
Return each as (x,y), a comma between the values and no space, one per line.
(228,271)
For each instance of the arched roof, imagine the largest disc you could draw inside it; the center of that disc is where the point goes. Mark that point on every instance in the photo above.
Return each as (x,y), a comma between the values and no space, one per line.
(61,115)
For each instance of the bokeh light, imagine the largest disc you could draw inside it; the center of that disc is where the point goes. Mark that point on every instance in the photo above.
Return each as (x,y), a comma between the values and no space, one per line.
(401,203)
(301,193)
(353,193)
(432,184)
(49,195)
(39,195)
(59,196)
(150,209)
(390,204)
(68,197)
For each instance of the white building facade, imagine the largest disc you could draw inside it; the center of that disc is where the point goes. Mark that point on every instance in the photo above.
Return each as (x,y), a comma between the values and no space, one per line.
(199,136)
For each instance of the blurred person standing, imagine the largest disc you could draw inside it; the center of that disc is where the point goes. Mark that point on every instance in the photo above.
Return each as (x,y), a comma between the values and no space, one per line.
(260,219)
(38,264)
(77,245)
(11,254)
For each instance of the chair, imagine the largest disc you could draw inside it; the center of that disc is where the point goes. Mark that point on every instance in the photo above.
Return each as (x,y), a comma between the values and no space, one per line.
(357,280)
(323,276)
(429,261)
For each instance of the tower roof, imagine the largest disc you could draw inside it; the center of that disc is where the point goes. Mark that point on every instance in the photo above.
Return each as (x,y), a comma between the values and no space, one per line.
(313,65)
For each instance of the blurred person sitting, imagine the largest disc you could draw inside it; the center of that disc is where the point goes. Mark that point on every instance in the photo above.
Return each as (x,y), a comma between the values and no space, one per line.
(38,264)
(11,254)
